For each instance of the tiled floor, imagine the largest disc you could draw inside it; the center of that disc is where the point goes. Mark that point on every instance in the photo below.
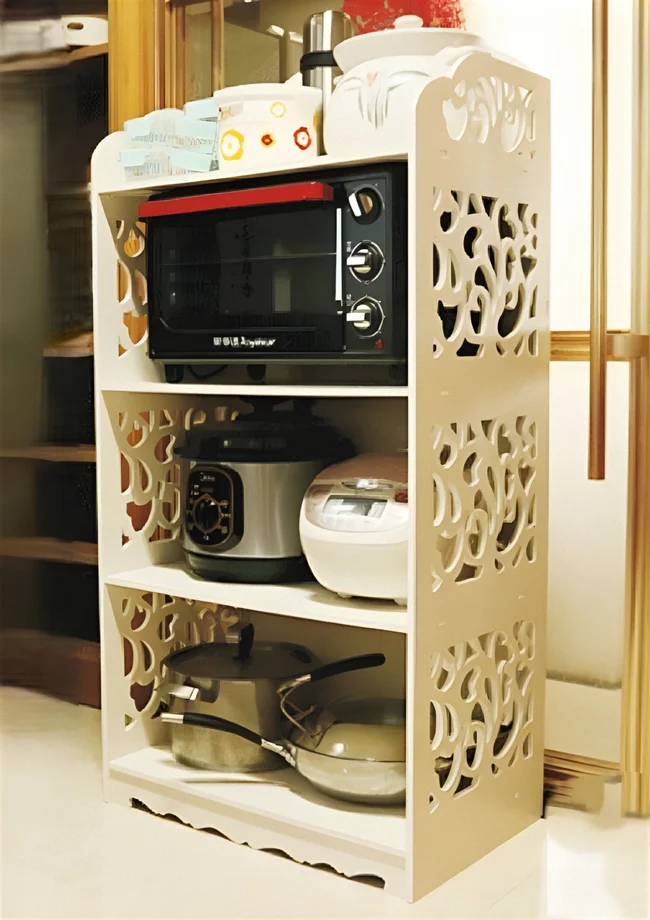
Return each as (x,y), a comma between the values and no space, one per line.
(67,854)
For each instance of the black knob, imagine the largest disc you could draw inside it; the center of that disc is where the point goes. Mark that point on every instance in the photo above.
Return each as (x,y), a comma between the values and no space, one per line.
(366,316)
(206,514)
(365,261)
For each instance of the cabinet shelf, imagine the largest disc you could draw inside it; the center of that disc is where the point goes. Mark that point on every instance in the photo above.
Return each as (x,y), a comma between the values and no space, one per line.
(70,345)
(307,601)
(53,453)
(50,549)
(280,800)
(252,389)
(147,183)
(54,60)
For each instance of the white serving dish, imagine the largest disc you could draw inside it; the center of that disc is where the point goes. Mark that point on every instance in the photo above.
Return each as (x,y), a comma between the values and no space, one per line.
(372,106)
(268,123)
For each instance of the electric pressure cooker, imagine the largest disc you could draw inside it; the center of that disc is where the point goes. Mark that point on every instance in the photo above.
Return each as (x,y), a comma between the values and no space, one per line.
(244,482)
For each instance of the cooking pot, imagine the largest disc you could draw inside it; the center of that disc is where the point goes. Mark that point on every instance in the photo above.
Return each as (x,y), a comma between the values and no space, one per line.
(372,108)
(211,680)
(237,682)
(354,750)
(244,482)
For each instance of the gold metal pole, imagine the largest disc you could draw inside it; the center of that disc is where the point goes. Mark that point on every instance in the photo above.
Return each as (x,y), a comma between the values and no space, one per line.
(160,53)
(218,53)
(177,36)
(635,740)
(598,320)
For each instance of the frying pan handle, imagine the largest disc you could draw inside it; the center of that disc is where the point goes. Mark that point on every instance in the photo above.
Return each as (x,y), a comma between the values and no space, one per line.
(358,663)
(224,725)
(215,722)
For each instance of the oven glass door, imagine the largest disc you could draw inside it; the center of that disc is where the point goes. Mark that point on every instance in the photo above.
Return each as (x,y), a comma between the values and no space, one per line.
(228,279)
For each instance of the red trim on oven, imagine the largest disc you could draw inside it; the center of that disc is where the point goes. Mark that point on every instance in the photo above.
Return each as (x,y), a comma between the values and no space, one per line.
(243,198)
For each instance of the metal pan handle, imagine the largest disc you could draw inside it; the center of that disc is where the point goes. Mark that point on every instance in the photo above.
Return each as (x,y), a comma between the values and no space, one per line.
(345,666)
(232,728)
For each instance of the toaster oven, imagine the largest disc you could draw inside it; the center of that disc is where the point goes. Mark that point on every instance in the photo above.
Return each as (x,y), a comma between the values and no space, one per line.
(292,270)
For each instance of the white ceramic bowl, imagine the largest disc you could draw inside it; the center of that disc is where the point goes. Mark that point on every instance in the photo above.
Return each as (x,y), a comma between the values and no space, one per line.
(268,123)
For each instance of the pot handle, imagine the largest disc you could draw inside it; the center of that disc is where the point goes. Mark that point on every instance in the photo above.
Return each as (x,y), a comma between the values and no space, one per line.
(205,721)
(358,663)
(233,728)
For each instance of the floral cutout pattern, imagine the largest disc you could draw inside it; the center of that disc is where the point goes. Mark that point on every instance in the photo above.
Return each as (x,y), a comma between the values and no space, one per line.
(484,497)
(232,145)
(267,140)
(481,709)
(278,109)
(302,138)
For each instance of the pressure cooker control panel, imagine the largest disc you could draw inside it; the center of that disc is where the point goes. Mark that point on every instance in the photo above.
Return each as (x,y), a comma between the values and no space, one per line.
(214,512)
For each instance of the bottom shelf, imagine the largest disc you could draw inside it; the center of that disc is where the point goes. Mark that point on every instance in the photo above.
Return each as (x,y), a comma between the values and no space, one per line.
(281,809)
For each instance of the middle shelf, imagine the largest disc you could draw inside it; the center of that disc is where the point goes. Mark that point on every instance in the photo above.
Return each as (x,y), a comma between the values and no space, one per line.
(307,601)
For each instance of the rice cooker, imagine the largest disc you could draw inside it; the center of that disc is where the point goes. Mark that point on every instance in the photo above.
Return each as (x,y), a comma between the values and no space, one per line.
(244,482)
(354,527)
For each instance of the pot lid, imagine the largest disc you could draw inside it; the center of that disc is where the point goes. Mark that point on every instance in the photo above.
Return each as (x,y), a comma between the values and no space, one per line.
(268,436)
(219,661)
(407,38)
(249,92)
(369,729)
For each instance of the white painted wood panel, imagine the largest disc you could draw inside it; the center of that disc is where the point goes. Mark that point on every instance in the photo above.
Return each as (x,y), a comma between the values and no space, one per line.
(308,601)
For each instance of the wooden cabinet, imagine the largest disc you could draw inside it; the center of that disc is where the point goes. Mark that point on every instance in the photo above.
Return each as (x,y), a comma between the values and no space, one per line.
(160,55)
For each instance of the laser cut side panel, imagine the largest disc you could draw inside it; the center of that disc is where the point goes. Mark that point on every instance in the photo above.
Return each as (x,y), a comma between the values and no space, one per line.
(478,455)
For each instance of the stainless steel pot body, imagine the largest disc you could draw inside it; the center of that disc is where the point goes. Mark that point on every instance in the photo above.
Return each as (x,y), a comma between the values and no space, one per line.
(245,692)
(252,703)
(272,495)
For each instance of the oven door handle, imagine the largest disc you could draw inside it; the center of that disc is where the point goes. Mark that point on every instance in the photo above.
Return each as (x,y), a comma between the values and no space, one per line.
(241,198)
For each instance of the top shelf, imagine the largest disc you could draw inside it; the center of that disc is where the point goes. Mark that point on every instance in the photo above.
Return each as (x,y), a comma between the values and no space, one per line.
(54,60)
(125,187)
(252,389)
(71,345)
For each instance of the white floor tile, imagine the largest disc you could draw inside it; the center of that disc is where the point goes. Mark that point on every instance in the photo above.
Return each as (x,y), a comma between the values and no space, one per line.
(65,853)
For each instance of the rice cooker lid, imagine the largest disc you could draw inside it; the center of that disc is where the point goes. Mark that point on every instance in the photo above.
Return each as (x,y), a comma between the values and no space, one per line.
(367,472)
(293,439)
(219,661)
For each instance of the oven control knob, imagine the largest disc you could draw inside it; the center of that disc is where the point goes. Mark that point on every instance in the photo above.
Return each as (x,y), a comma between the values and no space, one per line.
(365,261)
(366,316)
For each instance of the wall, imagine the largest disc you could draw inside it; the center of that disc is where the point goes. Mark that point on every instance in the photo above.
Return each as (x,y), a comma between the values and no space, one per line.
(588,519)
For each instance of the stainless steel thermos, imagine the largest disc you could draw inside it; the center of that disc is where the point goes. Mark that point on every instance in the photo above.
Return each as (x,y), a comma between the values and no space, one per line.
(321,34)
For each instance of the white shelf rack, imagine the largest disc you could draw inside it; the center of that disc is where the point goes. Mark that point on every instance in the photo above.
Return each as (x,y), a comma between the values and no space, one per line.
(303,601)
(468,651)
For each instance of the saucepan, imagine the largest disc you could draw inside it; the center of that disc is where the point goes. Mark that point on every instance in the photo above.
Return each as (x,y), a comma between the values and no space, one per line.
(247,687)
